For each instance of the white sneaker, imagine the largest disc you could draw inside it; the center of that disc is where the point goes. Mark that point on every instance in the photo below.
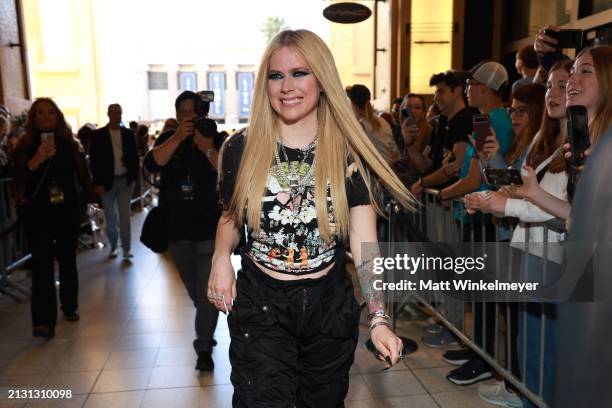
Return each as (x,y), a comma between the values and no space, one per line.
(114,252)
(497,394)
(127,254)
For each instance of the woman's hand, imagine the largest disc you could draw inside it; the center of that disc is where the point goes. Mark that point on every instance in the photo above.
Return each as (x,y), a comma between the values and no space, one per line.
(387,343)
(530,185)
(417,188)
(568,153)
(44,151)
(473,202)
(409,132)
(494,203)
(542,44)
(222,284)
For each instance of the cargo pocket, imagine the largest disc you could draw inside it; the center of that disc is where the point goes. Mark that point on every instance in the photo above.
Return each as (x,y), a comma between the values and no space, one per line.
(251,323)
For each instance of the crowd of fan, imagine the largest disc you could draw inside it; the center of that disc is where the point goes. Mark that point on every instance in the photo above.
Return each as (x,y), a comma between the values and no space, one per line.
(434,147)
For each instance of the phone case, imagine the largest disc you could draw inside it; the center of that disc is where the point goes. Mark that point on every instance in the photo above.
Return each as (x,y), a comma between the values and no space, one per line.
(481,128)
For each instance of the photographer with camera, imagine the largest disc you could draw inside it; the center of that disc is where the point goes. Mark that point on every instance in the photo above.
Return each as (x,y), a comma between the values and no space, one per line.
(187,160)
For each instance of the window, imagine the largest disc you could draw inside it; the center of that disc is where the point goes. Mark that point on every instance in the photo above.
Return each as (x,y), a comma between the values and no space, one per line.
(523,18)
(244,81)
(56,33)
(187,81)
(158,80)
(216,83)
(589,7)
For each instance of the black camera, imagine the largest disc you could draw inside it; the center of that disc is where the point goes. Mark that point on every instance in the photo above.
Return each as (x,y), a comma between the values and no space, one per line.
(207,127)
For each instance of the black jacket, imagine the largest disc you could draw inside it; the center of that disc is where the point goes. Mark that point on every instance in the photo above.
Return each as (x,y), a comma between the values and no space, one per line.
(188,220)
(102,161)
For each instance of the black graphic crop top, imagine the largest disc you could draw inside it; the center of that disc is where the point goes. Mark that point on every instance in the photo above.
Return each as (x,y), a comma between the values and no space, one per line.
(288,240)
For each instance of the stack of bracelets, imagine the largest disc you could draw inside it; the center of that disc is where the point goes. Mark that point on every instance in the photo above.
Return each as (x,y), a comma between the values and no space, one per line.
(379,314)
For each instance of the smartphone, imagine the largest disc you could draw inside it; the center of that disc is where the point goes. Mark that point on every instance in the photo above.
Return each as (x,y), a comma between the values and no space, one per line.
(47,135)
(578,133)
(503,177)
(407,114)
(481,127)
(569,38)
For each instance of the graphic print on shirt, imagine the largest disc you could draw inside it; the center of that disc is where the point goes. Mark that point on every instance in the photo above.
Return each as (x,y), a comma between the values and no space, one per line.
(289,238)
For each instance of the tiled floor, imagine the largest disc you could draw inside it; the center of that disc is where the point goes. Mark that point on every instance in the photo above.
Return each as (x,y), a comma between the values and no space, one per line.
(132,347)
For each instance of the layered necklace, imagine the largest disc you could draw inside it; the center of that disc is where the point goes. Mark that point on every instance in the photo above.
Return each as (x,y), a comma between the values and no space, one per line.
(296,178)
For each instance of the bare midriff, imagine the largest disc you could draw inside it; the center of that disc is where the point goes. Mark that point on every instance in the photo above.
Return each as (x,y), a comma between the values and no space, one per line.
(290,277)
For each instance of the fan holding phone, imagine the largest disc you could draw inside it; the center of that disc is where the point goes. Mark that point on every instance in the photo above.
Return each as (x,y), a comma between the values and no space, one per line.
(48,165)
(526,115)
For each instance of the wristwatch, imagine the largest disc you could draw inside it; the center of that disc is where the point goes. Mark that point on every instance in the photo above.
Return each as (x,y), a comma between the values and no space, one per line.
(210,152)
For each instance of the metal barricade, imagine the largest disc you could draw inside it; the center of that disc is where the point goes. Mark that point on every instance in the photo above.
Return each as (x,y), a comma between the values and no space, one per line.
(13,248)
(143,193)
(485,327)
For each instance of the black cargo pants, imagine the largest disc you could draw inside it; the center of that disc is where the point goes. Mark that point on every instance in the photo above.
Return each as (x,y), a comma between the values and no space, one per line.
(292,342)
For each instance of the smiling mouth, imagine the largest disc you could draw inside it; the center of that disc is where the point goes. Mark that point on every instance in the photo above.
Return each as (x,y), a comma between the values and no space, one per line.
(573,92)
(291,102)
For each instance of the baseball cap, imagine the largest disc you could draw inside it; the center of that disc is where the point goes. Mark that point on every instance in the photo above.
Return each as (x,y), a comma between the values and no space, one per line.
(359,94)
(490,73)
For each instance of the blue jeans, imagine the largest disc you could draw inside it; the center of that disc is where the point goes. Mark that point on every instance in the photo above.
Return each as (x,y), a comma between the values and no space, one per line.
(119,196)
(533,313)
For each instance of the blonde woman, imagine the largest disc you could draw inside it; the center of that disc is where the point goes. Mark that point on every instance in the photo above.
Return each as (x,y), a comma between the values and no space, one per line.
(302,175)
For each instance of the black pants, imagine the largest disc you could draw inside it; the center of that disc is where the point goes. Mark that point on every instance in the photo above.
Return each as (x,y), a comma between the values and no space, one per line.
(193,261)
(293,342)
(48,239)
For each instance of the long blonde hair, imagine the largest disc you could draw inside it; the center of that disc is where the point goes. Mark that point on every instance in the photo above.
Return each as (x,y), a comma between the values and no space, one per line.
(340,138)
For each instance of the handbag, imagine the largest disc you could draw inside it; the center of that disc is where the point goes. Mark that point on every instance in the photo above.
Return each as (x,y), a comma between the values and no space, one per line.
(154,234)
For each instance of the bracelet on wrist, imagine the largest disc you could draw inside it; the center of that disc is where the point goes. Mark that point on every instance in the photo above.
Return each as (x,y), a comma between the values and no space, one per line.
(378,314)
(381,323)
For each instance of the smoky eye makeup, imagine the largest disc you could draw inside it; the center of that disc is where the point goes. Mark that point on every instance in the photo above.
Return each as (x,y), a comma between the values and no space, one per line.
(300,72)
(295,73)
(273,75)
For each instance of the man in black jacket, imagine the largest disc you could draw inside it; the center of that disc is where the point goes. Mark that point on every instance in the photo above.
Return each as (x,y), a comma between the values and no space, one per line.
(187,161)
(114,168)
